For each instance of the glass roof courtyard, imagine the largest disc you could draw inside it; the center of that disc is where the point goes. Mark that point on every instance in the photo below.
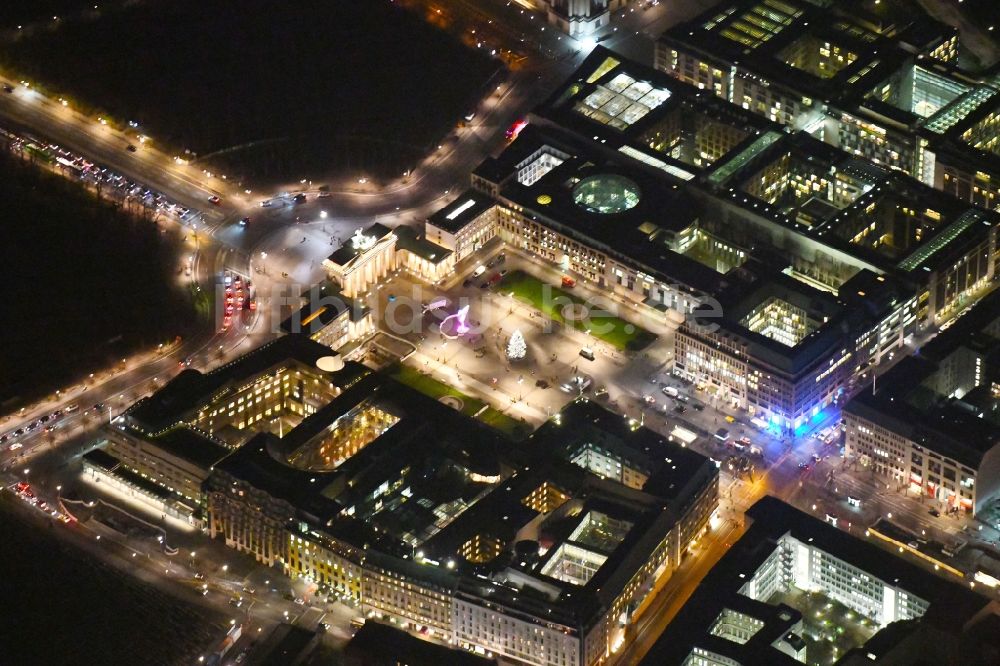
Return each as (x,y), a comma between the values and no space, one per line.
(622,101)
(606,194)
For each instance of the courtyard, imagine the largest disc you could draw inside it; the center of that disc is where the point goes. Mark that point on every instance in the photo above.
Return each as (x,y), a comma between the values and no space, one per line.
(830,628)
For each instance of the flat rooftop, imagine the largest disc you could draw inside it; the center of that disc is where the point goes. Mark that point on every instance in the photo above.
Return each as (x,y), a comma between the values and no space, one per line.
(908,403)
(375,430)
(465,208)
(790,326)
(837,53)
(721,591)
(833,198)
(611,205)
(324,304)
(500,521)
(664,124)
(191,388)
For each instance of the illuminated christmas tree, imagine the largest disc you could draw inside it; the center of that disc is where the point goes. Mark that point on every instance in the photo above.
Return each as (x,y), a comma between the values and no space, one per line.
(516,349)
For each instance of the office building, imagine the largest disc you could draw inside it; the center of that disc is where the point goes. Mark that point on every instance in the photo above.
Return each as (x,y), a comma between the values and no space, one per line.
(880,81)
(931,424)
(794,589)
(811,262)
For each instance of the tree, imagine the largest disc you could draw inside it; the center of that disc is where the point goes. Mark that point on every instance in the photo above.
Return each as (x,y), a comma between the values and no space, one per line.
(516,349)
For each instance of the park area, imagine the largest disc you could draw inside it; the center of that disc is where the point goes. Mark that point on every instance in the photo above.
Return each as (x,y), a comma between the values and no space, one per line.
(89,283)
(473,407)
(556,303)
(265,91)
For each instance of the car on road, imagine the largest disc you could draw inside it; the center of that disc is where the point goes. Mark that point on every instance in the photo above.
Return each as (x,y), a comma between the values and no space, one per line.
(8,88)
(515,129)
(266,203)
(214,200)
(467,283)
(804,466)
(130,148)
(15,446)
(935,513)
(245,221)
(236,601)
(72,408)
(299,198)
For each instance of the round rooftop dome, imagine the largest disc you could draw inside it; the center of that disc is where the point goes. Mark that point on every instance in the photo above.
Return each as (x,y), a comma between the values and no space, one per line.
(333,363)
(606,194)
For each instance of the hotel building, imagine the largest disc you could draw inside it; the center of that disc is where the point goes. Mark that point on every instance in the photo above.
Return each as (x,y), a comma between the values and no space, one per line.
(426,519)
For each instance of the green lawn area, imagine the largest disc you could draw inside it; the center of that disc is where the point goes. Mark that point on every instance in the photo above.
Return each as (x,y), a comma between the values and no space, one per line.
(551,300)
(508,425)
(436,389)
(472,406)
